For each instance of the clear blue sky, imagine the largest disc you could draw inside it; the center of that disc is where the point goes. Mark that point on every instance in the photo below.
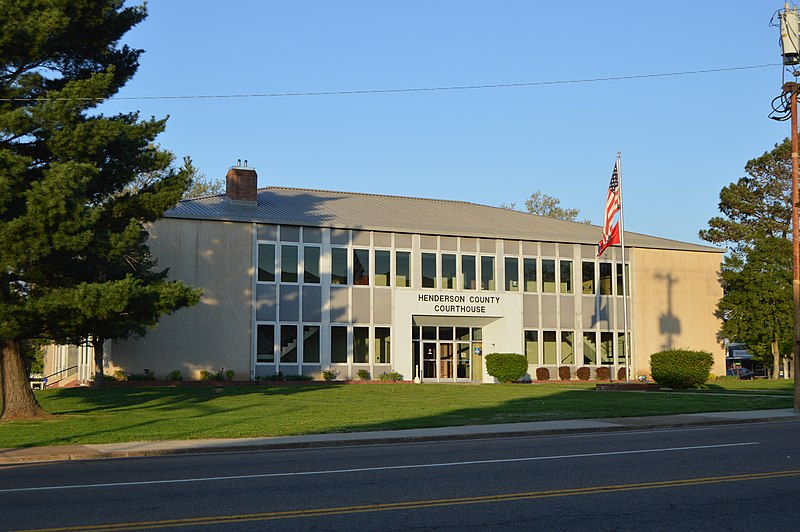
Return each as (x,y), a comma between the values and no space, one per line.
(682,138)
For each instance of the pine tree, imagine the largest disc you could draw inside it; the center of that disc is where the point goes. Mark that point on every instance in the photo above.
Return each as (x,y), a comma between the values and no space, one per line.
(74,263)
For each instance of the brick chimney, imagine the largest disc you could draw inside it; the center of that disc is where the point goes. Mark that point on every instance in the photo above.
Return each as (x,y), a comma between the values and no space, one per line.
(241,183)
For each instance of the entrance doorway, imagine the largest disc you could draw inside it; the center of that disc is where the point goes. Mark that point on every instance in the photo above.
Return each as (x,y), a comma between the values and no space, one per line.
(449,353)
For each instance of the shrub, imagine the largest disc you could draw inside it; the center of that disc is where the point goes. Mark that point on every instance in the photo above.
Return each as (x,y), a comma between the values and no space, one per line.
(148,375)
(622,374)
(274,377)
(298,377)
(229,374)
(120,376)
(680,368)
(175,375)
(583,373)
(206,375)
(363,374)
(329,374)
(602,373)
(506,367)
(391,376)
(564,373)
(542,374)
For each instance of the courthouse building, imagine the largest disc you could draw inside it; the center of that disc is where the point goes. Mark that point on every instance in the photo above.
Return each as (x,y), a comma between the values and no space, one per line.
(299,281)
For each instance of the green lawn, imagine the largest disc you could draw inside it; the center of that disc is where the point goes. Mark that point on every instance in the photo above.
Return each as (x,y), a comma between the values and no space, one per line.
(121,414)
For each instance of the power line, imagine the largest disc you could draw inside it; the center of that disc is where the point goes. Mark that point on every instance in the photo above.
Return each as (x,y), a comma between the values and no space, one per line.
(391,91)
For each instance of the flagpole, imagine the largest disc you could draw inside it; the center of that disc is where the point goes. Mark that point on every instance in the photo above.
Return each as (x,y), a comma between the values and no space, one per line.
(624,272)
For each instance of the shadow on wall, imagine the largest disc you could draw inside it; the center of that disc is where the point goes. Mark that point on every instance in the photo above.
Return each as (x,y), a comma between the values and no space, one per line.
(669,326)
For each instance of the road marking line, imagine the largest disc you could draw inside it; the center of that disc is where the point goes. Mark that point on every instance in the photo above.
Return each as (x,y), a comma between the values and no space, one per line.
(413,505)
(372,469)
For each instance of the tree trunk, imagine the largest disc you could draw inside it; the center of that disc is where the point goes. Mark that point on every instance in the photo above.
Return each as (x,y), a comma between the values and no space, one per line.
(776,360)
(15,392)
(97,344)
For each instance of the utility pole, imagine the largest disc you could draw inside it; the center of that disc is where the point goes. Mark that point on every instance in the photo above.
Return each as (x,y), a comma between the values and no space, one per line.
(790,50)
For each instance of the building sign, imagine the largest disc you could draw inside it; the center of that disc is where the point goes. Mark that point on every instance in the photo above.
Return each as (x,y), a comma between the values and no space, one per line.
(458,303)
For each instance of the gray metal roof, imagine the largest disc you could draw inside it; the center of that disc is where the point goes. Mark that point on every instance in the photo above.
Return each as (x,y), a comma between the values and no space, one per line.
(352,210)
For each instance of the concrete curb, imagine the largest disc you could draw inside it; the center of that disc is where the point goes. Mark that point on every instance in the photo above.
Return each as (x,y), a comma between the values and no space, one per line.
(179,447)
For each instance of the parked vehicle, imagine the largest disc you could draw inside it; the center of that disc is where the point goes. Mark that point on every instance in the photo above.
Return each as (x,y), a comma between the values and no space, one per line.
(743,373)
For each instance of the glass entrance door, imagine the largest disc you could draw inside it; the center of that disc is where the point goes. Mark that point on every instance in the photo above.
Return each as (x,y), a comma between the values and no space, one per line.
(445,360)
(448,353)
(429,360)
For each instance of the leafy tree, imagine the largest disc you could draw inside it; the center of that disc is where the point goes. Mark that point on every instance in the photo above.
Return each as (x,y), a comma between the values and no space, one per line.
(757,205)
(74,263)
(757,305)
(542,204)
(199,185)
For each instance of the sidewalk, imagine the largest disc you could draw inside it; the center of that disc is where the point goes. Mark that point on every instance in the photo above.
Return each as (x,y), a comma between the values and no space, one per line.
(158,448)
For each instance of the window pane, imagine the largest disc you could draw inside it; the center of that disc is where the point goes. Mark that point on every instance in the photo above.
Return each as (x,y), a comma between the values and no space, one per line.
(477,334)
(487,273)
(532,347)
(549,347)
(567,347)
(288,264)
(360,345)
(311,264)
(605,278)
(548,276)
(512,274)
(428,270)
(589,348)
(445,333)
(360,266)
(265,344)
(382,345)
(288,343)
(339,344)
(383,262)
(468,272)
(311,343)
(529,265)
(266,262)
(448,271)
(619,279)
(606,348)
(621,348)
(338,266)
(429,333)
(462,333)
(566,276)
(403,269)
(587,278)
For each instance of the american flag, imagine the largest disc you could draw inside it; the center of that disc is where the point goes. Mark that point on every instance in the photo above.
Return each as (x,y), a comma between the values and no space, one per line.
(610,228)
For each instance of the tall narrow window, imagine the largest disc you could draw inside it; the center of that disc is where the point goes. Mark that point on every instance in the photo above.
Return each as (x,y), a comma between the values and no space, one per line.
(265,344)
(360,345)
(338,266)
(448,271)
(288,264)
(590,348)
(529,267)
(288,343)
(468,272)
(548,276)
(311,344)
(605,278)
(339,344)
(383,264)
(311,264)
(266,262)
(512,274)
(532,347)
(383,345)
(620,287)
(587,278)
(566,277)
(549,347)
(621,348)
(487,273)
(429,270)
(402,275)
(360,266)
(567,347)
(606,348)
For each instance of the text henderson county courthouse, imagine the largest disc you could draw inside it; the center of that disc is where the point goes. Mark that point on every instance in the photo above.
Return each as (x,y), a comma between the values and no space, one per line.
(299,281)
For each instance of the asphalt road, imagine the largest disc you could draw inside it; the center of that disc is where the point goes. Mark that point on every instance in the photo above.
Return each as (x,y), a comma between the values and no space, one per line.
(732,477)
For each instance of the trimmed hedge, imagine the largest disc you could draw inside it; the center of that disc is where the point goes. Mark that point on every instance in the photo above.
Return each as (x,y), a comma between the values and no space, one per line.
(681,368)
(602,373)
(622,374)
(564,373)
(506,367)
(542,374)
(583,373)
